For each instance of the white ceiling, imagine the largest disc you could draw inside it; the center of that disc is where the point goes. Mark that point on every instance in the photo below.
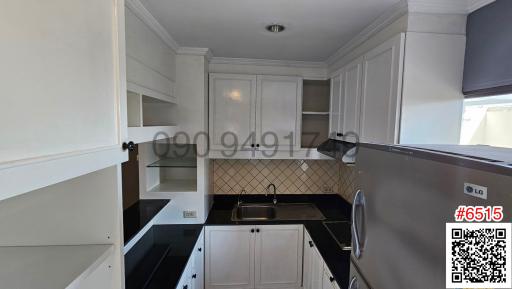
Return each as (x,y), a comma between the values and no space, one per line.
(315,29)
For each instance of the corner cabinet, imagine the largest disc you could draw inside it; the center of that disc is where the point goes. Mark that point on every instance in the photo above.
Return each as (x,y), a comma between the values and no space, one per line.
(398,93)
(254,112)
(262,257)
(366,94)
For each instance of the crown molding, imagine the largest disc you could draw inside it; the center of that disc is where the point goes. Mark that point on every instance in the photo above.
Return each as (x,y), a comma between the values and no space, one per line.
(398,10)
(267,62)
(199,51)
(145,16)
(474,5)
(447,7)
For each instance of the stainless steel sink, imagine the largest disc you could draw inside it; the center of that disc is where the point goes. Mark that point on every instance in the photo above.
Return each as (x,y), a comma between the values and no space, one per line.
(277,212)
(254,212)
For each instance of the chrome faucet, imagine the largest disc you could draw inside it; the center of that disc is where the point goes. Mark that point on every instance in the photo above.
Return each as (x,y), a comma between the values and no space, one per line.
(239,195)
(275,192)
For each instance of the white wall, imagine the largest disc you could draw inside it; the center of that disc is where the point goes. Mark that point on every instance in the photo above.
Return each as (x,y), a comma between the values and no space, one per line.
(432,88)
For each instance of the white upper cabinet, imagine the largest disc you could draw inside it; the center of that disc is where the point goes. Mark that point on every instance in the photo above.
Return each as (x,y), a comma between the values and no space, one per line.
(278,256)
(150,63)
(337,105)
(63,91)
(278,112)
(397,93)
(252,112)
(381,92)
(353,74)
(370,95)
(232,111)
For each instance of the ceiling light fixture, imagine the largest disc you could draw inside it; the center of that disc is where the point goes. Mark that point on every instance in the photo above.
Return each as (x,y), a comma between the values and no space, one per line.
(275,28)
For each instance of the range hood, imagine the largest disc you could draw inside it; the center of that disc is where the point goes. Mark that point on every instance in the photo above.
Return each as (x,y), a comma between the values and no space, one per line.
(340,150)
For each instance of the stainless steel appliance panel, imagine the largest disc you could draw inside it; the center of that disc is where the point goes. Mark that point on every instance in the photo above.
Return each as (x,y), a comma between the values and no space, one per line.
(407,202)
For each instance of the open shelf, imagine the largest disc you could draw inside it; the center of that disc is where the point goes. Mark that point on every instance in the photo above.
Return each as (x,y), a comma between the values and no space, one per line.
(52,267)
(175,186)
(187,162)
(150,117)
(315,112)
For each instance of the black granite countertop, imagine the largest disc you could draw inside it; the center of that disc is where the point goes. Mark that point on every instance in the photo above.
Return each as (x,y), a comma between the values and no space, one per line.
(332,206)
(160,257)
(138,215)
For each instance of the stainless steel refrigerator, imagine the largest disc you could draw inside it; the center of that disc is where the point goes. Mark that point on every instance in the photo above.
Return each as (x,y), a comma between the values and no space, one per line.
(406,197)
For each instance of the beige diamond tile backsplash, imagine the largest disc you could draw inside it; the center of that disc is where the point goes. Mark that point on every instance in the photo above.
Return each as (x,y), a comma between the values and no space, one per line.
(289,176)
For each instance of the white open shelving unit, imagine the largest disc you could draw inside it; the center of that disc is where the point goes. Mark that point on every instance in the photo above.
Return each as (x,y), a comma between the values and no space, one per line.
(66,235)
(52,267)
(169,173)
(150,117)
(315,112)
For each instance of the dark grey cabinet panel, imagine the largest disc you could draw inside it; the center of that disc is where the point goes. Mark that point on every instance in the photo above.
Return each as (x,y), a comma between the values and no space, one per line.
(488,63)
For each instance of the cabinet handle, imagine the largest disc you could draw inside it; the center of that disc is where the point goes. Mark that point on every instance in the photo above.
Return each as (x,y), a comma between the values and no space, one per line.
(252,230)
(257,145)
(199,249)
(252,145)
(194,276)
(339,134)
(257,230)
(128,146)
(311,244)
(331,279)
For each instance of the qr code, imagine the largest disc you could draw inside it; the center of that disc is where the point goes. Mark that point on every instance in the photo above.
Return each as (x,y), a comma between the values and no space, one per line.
(478,254)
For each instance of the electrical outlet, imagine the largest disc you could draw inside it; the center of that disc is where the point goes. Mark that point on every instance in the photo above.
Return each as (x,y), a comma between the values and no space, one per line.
(189,214)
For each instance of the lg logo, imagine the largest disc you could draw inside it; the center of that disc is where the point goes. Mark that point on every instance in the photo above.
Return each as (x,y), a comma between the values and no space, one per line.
(475,191)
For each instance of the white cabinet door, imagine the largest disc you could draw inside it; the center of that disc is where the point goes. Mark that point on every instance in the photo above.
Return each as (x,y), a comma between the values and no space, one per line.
(229,257)
(198,259)
(186,277)
(313,265)
(328,281)
(317,269)
(63,90)
(352,93)
(381,94)
(279,256)
(337,107)
(232,111)
(278,112)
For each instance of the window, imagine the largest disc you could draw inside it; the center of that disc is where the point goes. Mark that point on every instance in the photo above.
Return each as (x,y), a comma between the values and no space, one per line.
(487,121)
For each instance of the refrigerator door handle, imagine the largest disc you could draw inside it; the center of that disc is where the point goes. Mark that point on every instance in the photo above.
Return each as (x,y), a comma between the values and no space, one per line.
(353,283)
(358,226)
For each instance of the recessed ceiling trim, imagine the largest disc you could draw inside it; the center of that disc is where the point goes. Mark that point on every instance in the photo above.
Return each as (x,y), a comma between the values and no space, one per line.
(140,11)
(447,7)
(199,51)
(477,4)
(391,15)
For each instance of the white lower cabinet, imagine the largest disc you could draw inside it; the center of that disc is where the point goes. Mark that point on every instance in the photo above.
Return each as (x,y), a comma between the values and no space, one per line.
(278,256)
(316,273)
(263,257)
(192,276)
(328,281)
